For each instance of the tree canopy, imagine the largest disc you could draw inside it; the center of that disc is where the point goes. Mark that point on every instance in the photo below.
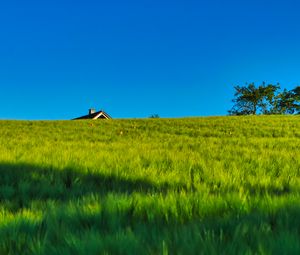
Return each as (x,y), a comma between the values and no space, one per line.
(265,99)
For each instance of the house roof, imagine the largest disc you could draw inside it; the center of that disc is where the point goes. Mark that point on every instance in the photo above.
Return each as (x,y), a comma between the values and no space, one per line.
(97,115)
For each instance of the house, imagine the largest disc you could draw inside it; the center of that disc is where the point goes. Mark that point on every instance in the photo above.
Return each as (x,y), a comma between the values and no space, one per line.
(93,115)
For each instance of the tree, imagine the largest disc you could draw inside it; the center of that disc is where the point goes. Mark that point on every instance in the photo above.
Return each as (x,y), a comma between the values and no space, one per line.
(296,92)
(154,116)
(288,102)
(268,95)
(245,101)
(296,95)
(250,99)
(285,103)
(265,99)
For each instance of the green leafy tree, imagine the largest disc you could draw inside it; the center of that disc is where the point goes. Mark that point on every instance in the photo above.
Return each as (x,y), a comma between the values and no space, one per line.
(154,116)
(296,92)
(296,95)
(288,102)
(268,94)
(265,99)
(285,103)
(245,100)
(250,99)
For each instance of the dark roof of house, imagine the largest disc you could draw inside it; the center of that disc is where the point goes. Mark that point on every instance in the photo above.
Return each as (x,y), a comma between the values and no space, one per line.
(94,116)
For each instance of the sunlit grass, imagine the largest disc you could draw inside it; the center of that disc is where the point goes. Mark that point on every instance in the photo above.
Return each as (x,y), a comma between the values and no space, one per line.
(220,185)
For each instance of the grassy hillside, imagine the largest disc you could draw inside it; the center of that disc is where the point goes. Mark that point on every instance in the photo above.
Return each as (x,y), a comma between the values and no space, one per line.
(228,185)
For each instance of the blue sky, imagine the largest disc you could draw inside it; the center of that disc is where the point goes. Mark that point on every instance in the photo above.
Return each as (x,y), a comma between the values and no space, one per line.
(141,57)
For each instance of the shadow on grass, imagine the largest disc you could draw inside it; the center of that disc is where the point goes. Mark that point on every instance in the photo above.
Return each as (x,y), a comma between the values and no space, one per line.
(25,182)
(67,228)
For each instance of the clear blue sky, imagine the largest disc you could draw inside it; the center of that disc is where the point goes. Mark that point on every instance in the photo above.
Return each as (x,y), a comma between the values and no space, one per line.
(140,57)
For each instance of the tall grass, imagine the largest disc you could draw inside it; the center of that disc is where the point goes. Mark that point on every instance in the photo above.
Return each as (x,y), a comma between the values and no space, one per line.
(219,185)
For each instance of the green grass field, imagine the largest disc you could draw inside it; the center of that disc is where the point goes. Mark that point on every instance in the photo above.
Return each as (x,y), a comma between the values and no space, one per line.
(219,185)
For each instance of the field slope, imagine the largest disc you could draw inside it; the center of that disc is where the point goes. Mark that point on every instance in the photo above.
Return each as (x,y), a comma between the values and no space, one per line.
(219,185)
